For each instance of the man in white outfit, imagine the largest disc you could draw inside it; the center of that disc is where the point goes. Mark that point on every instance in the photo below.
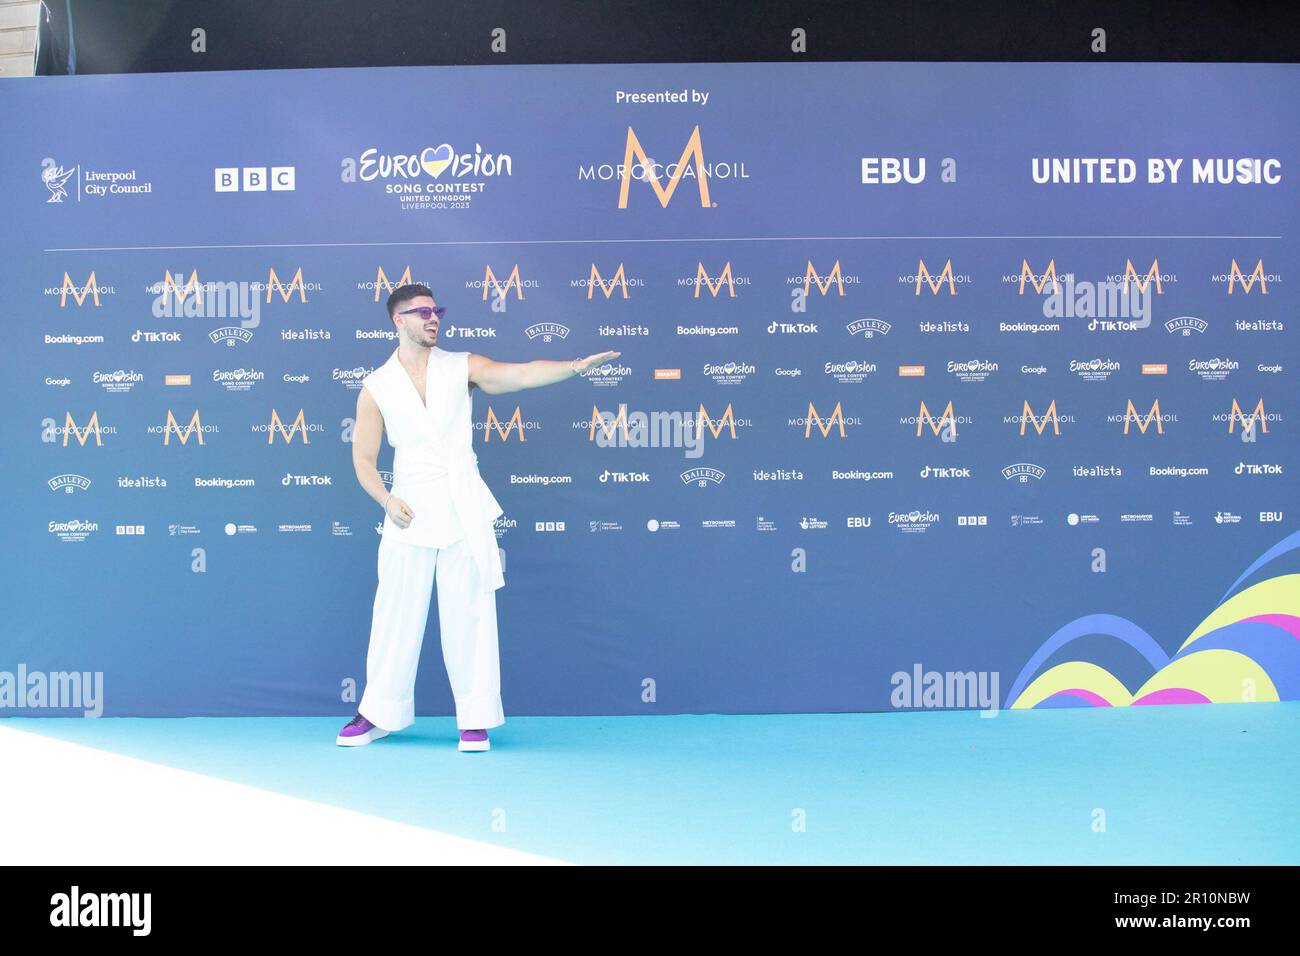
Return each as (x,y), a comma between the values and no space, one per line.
(437,521)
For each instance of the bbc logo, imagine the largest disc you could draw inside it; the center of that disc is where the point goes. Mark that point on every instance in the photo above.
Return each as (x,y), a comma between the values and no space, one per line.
(548,526)
(130,529)
(964,521)
(254,179)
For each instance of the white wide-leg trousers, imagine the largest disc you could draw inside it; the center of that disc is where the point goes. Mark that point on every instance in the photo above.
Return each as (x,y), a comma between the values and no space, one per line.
(468,619)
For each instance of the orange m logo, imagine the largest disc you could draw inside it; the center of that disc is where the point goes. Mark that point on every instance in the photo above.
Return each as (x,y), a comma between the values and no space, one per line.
(1028,416)
(728,420)
(273,284)
(935,283)
(833,276)
(1131,416)
(490,279)
(382,282)
(924,417)
(173,426)
(70,428)
(494,424)
(1256,416)
(700,274)
(824,427)
(619,280)
(1235,276)
(79,295)
(634,149)
(179,291)
(299,425)
(621,417)
(1027,274)
(1143,281)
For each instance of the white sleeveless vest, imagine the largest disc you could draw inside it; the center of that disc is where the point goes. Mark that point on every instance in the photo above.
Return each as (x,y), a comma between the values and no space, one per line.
(435,469)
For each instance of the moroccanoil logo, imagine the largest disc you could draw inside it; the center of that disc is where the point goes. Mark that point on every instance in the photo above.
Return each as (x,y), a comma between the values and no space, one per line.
(171,426)
(618,281)
(935,282)
(833,276)
(693,152)
(616,421)
(923,417)
(1028,416)
(1039,281)
(1131,416)
(79,295)
(702,279)
(70,428)
(1236,414)
(179,292)
(836,418)
(384,284)
(728,421)
(490,281)
(1153,274)
(273,284)
(1235,276)
(516,423)
(299,426)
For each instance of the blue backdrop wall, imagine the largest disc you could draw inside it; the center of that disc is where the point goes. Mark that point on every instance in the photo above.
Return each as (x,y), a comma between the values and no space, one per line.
(180,512)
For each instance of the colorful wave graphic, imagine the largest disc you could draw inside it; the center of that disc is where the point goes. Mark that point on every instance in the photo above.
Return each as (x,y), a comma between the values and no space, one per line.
(1247,649)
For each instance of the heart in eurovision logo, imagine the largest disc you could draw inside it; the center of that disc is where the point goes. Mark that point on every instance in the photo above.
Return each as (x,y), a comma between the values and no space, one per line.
(434,161)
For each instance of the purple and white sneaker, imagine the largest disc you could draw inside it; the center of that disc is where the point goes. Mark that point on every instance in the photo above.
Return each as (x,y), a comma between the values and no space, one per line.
(358,732)
(474,741)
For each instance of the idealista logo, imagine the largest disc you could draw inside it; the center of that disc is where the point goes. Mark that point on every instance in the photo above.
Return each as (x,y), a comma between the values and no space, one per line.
(434,178)
(702,477)
(63,182)
(1023,471)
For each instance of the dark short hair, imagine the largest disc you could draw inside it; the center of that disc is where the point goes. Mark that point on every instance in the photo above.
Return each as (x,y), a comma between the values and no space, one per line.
(405,293)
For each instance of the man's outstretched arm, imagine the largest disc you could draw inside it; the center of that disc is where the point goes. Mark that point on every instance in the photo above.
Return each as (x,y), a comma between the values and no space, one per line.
(496,377)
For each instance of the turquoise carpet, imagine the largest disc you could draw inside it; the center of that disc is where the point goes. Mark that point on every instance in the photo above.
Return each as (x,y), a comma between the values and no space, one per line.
(1209,784)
